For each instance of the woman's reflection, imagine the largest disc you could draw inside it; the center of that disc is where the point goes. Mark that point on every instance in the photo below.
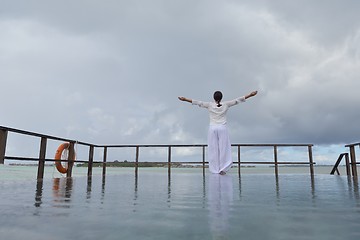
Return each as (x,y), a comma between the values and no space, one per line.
(220,198)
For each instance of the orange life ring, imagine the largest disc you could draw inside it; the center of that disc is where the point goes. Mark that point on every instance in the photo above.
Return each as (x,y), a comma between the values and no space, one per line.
(58,154)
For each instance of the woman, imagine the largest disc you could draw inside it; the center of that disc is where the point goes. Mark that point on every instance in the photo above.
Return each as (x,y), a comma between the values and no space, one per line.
(219,146)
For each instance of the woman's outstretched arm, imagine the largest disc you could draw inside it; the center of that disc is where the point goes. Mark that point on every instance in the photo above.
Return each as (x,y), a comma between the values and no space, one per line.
(251,94)
(185,99)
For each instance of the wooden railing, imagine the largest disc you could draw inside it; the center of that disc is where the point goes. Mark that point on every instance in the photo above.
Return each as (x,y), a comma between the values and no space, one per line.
(353,162)
(4,131)
(337,163)
(351,166)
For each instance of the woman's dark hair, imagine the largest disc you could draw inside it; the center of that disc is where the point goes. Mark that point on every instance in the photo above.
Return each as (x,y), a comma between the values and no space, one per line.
(217,97)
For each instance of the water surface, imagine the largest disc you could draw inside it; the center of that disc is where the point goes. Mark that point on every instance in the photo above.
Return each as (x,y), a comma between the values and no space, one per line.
(186,204)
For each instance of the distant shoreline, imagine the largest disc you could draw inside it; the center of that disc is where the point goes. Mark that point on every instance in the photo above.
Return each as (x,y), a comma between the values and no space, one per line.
(157,164)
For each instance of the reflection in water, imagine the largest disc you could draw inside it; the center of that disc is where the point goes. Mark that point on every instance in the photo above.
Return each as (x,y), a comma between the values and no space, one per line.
(353,183)
(169,189)
(207,208)
(356,188)
(38,193)
(103,189)
(88,187)
(136,189)
(204,191)
(220,197)
(62,189)
(277,189)
(313,194)
(240,191)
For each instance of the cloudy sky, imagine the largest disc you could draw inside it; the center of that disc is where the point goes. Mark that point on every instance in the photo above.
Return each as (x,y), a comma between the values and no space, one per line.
(110,72)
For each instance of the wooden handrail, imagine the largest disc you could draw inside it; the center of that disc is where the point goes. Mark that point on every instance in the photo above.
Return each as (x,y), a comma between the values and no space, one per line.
(4,132)
(23,132)
(335,168)
(353,157)
(352,145)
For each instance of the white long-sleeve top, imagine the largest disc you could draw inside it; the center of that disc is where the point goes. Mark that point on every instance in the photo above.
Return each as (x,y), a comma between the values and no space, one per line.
(218,114)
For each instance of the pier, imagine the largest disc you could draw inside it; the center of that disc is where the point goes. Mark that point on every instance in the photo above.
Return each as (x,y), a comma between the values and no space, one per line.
(43,140)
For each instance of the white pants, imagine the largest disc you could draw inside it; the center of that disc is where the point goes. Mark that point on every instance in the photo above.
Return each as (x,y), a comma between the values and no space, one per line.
(219,149)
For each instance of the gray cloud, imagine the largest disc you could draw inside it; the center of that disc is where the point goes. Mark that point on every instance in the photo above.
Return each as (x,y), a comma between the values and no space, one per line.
(111,72)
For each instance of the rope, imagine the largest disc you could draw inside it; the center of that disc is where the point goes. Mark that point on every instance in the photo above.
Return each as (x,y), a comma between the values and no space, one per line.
(76,150)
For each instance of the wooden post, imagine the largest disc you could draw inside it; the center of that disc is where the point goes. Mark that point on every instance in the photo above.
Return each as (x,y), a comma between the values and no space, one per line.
(311,160)
(203,159)
(239,159)
(91,159)
(136,160)
(42,156)
(338,161)
(353,160)
(104,161)
(276,161)
(70,159)
(347,164)
(3,138)
(68,188)
(169,160)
